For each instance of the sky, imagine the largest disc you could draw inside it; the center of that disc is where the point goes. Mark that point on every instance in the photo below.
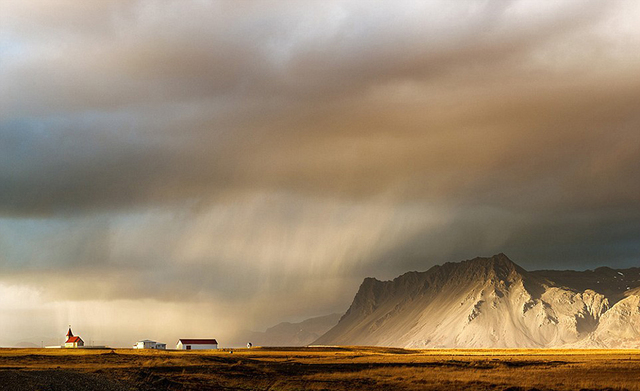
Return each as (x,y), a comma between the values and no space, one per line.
(175,169)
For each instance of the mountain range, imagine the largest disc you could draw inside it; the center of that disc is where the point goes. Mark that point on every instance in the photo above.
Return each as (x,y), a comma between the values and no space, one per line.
(287,333)
(494,303)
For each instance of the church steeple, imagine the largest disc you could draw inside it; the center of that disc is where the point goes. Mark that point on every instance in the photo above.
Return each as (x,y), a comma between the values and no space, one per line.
(69,333)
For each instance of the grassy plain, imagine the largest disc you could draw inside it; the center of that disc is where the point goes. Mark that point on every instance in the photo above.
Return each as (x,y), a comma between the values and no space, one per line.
(319,368)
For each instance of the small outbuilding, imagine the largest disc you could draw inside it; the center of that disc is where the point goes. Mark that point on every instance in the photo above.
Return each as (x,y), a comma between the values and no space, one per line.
(149,344)
(73,341)
(196,344)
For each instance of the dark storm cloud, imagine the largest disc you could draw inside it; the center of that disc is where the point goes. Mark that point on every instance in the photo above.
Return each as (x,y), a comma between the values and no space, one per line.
(185,100)
(235,151)
(534,240)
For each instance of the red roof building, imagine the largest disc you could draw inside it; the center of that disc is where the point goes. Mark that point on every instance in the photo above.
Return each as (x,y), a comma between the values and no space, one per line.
(73,341)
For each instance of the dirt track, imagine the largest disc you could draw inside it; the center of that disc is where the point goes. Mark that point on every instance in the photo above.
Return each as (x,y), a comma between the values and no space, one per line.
(318,369)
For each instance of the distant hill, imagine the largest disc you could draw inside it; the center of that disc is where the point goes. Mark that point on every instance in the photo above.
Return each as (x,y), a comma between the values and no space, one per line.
(492,303)
(26,344)
(289,334)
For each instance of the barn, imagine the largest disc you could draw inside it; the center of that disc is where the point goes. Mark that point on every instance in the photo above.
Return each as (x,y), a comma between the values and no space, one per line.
(196,344)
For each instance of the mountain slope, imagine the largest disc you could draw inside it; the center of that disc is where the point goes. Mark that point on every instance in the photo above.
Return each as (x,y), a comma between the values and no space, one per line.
(483,302)
(289,334)
(620,326)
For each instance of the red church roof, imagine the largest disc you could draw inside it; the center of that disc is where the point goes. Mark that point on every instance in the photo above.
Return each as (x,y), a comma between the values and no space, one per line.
(74,339)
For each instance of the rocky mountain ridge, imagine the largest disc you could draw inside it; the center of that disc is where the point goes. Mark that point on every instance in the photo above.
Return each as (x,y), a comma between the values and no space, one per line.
(492,303)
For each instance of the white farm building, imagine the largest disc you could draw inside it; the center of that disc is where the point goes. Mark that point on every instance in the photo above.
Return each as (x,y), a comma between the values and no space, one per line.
(149,344)
(196,344)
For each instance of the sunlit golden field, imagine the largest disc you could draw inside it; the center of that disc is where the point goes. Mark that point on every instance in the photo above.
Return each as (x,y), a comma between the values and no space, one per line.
(319,368)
